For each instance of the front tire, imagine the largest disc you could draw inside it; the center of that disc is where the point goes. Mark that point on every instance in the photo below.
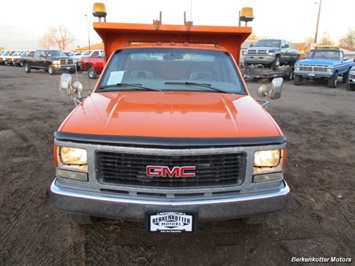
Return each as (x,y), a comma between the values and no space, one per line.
(346,76)
(290,74)
(92,73)
(276,64)
(298,80)
(27,68)
(51,70)
(350,87)
(333,81)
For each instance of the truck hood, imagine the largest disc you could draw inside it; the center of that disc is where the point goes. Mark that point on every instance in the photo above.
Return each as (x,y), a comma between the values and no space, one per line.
(171,114)
(325,62)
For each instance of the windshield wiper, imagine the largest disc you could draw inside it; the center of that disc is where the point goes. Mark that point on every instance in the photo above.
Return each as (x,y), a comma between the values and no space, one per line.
(187,83)
(134,85)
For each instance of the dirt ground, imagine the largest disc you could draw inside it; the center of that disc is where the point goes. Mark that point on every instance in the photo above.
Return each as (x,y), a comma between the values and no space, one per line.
(318,223)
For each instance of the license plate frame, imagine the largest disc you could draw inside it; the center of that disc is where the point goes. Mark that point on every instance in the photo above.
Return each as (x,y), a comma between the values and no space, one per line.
(157,221)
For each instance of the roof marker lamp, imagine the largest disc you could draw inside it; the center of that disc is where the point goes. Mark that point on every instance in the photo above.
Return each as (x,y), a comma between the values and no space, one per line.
(246,15)
(99,10)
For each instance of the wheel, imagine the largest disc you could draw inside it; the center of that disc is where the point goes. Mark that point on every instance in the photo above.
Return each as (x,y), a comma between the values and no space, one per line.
(92,73)
(276,64)
(350,87)
(27,68)
(298,80)
(51,70)
(345,76)
(290,74)
(333,81)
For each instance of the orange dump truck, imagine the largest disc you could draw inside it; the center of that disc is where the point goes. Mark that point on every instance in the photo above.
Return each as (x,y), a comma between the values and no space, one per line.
(170,135)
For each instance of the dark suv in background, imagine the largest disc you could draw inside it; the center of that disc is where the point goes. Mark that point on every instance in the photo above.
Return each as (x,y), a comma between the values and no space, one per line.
(271,53)
(51,61)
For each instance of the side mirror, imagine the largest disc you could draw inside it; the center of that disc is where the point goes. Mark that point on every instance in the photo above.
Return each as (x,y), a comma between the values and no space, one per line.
(65,84)
(273,91)
(67,88)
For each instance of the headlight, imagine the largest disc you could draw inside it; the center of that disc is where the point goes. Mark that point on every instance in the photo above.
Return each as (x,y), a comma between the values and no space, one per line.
(352,72)
(76,156)
(71,163)
(297,67)
(269,165)
(268,158)
(56,62)
(329,69)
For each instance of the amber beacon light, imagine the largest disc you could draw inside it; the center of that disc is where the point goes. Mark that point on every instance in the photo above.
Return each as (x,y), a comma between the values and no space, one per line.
(99,10)
(246,15)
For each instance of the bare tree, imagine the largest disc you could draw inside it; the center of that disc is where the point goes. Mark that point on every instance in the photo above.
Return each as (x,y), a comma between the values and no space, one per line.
(57,36)
(348,41)
(326,39)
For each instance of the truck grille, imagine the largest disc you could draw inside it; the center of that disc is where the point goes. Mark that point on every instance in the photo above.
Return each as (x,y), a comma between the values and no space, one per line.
(130,169)
(313,68)
(262,52)
(66,61)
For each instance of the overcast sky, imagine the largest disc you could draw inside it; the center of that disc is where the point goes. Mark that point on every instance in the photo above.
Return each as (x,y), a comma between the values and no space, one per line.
(23,23)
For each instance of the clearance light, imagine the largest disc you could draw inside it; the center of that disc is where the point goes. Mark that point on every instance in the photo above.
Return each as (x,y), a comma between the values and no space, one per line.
(99,10)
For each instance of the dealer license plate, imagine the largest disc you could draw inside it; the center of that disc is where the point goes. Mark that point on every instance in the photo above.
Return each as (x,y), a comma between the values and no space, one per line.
(171,221)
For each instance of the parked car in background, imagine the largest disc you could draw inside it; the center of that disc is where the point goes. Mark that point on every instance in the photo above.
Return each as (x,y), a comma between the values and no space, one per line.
(93,53)
(271,53)
(25,56)
(16,58)
(350,84)
(93,64)
(324,63)
(76,57)
(51,61)
(3,54)
(7,58)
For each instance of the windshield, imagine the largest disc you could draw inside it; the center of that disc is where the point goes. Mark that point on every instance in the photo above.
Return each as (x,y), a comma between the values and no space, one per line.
(324,54)
(268,43)
(55,53)
(171,69)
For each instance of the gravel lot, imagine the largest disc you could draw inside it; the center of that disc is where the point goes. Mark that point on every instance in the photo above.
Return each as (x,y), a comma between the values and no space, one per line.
(318,223)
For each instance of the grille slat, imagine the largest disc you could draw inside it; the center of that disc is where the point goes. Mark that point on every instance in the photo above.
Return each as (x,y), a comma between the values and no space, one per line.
(130,169)
(315,68)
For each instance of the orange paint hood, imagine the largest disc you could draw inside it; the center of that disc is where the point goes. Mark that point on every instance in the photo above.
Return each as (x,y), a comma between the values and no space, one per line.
(171,115)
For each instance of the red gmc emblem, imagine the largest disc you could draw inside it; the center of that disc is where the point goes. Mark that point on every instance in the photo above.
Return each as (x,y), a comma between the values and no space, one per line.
(164,171)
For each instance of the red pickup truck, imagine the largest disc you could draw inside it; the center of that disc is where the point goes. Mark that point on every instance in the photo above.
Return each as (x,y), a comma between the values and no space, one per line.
(93,64)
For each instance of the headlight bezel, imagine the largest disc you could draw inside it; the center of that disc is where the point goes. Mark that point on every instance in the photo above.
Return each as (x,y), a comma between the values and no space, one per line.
(277,158)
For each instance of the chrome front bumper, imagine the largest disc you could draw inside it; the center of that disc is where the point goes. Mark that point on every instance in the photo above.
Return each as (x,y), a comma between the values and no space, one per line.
(111,205)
